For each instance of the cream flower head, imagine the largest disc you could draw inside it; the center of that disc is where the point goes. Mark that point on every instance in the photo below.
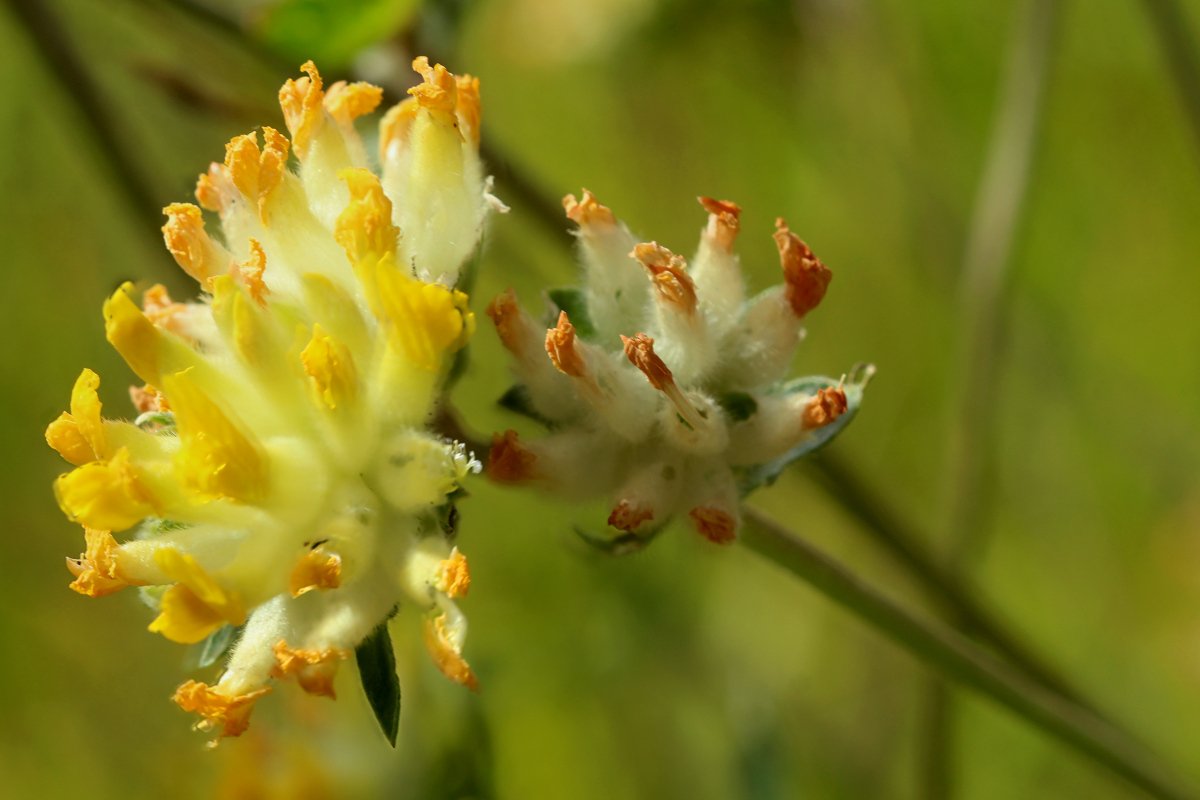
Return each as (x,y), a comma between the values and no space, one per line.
(280,479)
(661,383)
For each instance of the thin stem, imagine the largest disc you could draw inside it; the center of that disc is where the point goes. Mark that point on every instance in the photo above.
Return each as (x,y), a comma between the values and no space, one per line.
(1177,37)
(985,277)
(65,67)
(944,588)
(957,658)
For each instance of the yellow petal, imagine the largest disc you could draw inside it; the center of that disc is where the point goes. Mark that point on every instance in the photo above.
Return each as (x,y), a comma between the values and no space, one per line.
(133,335)
(346,102)
(330,367)
(438,91)
(216,459)
(335,309)
(396,125)
(316,569)
(365,227)
(192,248)
(427,320)
(257,172)
(64,436)
(454,575)
(468,106)
(251,272)
(446,655)
(301,101)
(104,494)
(79,436)
(196,606)
(314,669)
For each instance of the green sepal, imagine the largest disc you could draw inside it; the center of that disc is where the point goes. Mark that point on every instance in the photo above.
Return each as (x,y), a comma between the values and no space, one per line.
(518,401)
(377,672)
(216,645)
(152,596)
(466,281)
(573,301)
(447,519)
(156,421)
(738,405)
(623,544)
(751,478)
(154,526)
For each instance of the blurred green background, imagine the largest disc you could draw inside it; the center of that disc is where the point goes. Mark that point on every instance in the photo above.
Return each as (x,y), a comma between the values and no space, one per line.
(686,670)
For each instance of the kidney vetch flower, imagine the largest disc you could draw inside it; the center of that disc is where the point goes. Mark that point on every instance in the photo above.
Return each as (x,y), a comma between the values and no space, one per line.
(661,383)
(279,480)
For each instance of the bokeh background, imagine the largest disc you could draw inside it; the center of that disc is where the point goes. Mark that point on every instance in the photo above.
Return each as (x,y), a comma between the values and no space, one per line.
(1071,461)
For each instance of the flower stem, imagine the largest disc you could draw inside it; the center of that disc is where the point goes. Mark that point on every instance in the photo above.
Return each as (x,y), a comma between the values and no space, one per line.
(950,593)
(957,658)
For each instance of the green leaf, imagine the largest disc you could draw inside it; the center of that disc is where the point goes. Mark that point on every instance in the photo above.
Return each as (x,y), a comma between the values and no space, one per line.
(573,301)
(446,516)
(518,401)
(751,478)
(216,645)
(377,671)
(332,32)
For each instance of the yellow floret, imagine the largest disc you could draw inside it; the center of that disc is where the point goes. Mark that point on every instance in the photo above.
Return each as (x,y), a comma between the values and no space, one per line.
(196,605)
(217,459)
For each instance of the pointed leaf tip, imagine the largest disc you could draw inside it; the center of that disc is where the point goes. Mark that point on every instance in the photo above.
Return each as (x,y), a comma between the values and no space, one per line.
(377,671)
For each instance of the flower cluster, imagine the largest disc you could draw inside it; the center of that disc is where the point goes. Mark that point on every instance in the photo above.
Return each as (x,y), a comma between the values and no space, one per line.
(661,383)
(279,478)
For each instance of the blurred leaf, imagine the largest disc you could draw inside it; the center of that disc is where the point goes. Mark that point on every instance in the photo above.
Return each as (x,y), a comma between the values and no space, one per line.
(377,671)
(333,32)
(574,303)
(216,645)
(623,544)
(752,478)
(517,400)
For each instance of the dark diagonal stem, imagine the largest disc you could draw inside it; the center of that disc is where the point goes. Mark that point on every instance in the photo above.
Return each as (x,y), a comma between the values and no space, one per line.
(956,658)
(64,65)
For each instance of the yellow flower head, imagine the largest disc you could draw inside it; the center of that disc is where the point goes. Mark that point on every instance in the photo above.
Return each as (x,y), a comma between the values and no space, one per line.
(278,479)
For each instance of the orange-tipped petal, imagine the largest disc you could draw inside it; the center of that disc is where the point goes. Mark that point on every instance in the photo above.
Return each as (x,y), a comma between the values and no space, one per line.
(454,575)
(587,211)
(96,573)
(230,716)
(825,408)
(639,350)
(628,517)
(446,655)
(714,524)
(560,346)
(508,460)
(301,100)
(723,221)
(807,278)
(313,669)
(316,569)
(346,102)
(438,91)
(668,273)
